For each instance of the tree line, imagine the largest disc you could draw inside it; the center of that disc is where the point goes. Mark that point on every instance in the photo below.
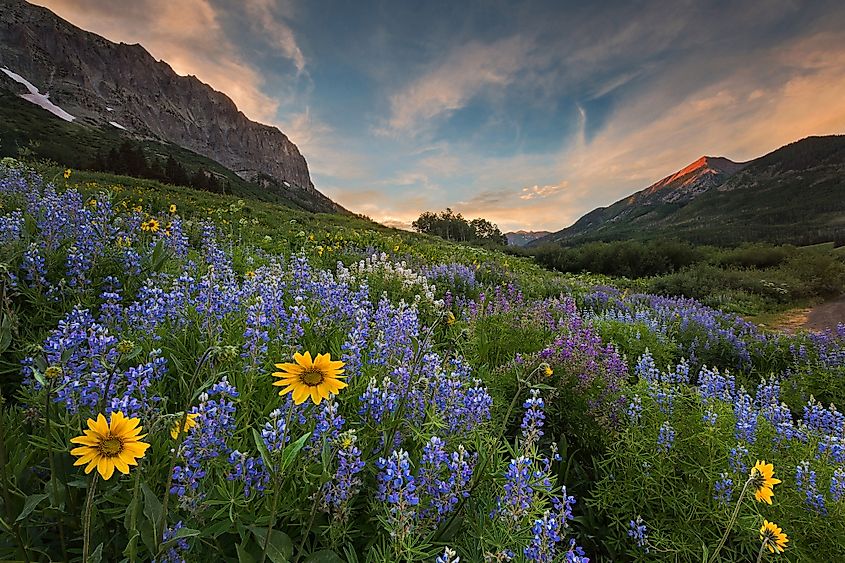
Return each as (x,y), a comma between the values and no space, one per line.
(129,159)
(453,226)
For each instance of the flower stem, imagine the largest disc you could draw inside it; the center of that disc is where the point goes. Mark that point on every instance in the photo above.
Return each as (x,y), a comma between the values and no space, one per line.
(55,485)
(277,487)
(307,531)
(86,519)
(105,396)
(162,525)
(762,549)
(733,519)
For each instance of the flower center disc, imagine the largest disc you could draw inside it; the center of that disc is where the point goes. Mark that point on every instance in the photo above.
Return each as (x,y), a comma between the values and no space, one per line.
(312,377)
(111,446)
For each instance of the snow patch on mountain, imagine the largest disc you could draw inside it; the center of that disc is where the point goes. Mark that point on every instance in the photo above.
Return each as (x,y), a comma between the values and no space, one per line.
(118,125)
(36,97)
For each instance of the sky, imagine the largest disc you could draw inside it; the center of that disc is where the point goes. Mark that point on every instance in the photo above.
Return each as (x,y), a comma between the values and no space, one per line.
(528,114)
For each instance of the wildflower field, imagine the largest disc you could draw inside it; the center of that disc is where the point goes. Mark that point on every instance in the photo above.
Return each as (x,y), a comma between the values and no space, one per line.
(191,377)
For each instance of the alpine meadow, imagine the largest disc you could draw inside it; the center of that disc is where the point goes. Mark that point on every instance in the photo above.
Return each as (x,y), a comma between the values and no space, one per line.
(439,339)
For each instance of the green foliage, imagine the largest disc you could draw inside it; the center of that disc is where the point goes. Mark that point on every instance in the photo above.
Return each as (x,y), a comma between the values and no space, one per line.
(673,490)
(451,226)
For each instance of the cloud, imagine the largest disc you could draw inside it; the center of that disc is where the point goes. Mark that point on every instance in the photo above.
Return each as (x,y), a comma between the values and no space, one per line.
(265,14)
(542,192)
(187,34)
(462,74)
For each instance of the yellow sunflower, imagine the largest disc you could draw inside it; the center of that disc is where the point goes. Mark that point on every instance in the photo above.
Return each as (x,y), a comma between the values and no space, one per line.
(173,208)
(773,537)
(107,445)
(315,378)
(547,370)
(190,422)
(763,480)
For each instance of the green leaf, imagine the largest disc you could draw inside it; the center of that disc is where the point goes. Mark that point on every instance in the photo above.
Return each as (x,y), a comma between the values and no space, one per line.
(292,450)
(262,449)
(243,554)
(131,550)
(153,512)
(97,555)
(215,529)
(148,535)
(280,548)
(152,507)
(39,377)
(31,502)
(324,556)
(5,332)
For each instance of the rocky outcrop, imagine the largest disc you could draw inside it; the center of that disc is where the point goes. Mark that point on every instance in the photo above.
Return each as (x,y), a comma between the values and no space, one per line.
(108,84)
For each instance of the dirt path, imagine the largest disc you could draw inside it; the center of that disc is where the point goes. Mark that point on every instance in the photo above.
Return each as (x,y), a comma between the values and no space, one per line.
(826,315)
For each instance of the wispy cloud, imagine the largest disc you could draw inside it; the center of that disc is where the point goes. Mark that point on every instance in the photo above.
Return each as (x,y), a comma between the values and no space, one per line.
(269,16)
(463,73)
(542,192)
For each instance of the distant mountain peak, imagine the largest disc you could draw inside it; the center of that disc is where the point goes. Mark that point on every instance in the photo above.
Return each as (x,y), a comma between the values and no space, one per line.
(793,194)
(690,181)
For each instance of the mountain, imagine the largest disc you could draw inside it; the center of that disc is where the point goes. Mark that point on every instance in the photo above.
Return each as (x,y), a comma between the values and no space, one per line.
(795,194)
(86,80)
(521,238)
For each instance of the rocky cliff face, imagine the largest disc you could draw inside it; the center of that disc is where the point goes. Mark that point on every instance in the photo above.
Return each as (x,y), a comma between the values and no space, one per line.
(107,84)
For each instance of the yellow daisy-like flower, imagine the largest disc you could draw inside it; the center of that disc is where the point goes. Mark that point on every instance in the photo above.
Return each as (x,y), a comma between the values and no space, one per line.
(315,378)
(151,225)
(190,422)
(547,370)
(67,173)
(110,445)
(173,208)
(763,480)
(773,537)
(450,318)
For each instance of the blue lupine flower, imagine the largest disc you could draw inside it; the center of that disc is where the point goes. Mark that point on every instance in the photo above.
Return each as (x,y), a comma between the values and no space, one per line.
(637,530)
(805,480)
(345,482)
(723,489)
(249,470)
(532,420)
(837,484)
(666,437)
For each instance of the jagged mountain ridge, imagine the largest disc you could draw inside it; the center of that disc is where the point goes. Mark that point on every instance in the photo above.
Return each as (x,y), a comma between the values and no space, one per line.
(793,194)
(105,84)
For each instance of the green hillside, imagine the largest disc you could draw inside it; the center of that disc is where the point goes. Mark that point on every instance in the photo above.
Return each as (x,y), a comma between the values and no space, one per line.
(793,195)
